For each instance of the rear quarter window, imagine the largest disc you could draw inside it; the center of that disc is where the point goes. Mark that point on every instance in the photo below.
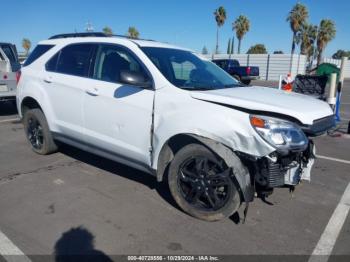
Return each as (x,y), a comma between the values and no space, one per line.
(38,51)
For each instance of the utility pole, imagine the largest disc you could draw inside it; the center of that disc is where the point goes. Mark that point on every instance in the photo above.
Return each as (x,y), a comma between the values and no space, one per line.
(89,27)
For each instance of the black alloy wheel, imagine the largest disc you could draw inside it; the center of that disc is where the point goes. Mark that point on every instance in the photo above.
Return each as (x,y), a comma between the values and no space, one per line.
(204,183)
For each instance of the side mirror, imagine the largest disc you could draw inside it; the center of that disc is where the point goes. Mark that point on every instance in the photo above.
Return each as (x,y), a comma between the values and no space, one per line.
(135,79)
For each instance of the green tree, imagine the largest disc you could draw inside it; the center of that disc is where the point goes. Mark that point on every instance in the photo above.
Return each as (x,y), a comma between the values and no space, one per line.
(220,17)
(26,44)
(257,49)
(241,25)
(326,33)
(296,18)
(133,33)
(205,50)
(107,30)
(340,53)
(229,51)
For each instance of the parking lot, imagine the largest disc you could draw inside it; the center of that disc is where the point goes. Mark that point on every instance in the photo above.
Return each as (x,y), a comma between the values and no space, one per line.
(73,201)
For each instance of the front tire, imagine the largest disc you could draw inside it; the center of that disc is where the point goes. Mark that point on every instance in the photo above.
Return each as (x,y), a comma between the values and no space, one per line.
(201,184)
(38,132)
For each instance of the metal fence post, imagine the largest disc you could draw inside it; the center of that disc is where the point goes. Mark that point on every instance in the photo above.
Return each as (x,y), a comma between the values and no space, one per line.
(267,67)
(298,65)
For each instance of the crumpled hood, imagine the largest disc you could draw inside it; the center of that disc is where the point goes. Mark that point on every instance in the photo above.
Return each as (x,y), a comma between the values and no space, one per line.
(304,108)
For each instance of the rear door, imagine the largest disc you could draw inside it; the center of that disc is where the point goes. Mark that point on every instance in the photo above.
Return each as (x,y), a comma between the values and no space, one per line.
(117,116)
(65,80)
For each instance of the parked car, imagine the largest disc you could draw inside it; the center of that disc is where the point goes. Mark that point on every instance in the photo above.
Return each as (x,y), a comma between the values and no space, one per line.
(169,112)
(244,74)
(9,67)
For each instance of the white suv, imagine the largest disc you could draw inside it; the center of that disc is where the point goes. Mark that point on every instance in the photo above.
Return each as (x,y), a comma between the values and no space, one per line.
(171,113)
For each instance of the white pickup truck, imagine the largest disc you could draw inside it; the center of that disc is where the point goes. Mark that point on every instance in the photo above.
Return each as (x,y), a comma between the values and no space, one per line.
(9,68)
(165,110)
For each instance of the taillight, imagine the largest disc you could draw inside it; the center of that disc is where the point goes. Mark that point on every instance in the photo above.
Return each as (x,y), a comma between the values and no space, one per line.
(248,70)
(18,76)
(5,77)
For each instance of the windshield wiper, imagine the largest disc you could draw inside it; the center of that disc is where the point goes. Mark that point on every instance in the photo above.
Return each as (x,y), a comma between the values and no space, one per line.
(197,88)
(234,85)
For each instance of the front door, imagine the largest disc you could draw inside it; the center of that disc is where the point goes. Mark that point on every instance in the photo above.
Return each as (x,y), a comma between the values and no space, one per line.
(117,116)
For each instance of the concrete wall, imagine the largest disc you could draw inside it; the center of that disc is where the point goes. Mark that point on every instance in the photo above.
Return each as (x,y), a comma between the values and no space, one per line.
(271,66)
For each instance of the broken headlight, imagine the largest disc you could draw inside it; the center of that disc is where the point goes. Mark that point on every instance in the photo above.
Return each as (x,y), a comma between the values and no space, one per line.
(282,134)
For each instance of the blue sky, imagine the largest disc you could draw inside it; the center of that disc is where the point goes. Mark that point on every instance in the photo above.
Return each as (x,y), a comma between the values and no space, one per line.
(188,23)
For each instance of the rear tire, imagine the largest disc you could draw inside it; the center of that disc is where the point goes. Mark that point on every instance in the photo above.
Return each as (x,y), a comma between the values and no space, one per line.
(201,185)
(246,82)
(38,133)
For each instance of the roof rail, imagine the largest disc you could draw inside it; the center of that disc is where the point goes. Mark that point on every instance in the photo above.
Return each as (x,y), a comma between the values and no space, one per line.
(93,34)
(87,34)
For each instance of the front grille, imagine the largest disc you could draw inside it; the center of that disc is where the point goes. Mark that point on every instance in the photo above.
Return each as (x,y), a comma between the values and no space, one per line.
(276,176)
(271,175)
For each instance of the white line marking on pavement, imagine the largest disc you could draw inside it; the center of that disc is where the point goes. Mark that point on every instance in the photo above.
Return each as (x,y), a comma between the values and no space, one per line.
(9,251)
(329,236)
(334,159)
(9,120)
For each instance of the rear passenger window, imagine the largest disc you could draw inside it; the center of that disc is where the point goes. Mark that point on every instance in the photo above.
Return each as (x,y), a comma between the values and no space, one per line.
(72,60)
(38,51)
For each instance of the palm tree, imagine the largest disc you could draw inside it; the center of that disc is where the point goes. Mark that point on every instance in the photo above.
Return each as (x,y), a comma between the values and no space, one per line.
(306,37)
(26,44)
(220,17)
(133,33)
(296,18)
(241,26)
(107,30)
(326,33)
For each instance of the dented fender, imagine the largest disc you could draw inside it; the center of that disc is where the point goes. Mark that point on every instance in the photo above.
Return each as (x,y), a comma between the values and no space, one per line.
(224,130)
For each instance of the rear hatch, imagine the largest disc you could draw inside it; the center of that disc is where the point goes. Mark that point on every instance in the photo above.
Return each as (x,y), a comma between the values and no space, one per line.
(254,71)
(8,52)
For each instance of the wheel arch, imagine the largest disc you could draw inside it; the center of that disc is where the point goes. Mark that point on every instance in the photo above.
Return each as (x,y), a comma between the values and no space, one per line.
(29,103)
(176,142)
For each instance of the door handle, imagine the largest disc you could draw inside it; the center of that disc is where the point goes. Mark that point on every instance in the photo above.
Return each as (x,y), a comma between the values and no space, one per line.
(48,79)
(92,91)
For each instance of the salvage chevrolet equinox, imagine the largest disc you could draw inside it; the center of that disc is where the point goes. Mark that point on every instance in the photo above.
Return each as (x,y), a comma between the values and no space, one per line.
(171,113)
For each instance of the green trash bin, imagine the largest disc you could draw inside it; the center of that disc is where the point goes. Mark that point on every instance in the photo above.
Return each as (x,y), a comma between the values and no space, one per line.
(328,69)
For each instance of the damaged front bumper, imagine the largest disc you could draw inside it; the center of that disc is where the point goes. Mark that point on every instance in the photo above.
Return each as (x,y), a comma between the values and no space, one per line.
(278,170)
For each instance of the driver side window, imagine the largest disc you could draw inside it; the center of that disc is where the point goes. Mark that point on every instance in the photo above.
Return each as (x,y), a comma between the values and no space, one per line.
(111,61)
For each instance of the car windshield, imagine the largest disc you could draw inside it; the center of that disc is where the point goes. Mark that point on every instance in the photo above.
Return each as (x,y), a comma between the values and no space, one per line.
(187,71)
